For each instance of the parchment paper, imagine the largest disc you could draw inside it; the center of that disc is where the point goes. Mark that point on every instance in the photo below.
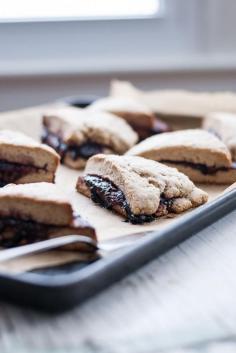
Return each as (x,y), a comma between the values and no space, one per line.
(107,224)
(179,103)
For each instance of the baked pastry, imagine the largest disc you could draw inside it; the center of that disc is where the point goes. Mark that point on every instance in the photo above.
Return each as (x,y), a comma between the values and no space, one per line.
(141,118)
(139,189)
(23,160)
(196,153)
(223,125)
(79,134)
(38,211)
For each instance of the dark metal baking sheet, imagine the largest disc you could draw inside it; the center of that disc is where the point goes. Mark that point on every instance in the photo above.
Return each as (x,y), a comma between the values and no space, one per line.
(63,287)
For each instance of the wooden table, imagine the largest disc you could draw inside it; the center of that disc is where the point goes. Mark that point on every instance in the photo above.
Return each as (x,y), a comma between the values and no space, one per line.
(183,301)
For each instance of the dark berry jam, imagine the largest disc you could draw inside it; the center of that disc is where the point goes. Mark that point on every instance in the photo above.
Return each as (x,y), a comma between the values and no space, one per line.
(15,232)
(10,172)
(204,169)
(85,150)
(108,195)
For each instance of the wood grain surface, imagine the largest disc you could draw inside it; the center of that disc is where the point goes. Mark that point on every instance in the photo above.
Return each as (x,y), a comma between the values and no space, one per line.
(183,301)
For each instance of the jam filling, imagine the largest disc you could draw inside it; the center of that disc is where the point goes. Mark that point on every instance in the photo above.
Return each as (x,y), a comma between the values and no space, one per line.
(15,232)
(85,150)
(10,172)
(108,195)
(204,169)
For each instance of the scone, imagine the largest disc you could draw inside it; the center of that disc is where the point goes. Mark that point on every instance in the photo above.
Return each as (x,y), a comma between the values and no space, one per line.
(38,211)
(224,126)
(139,189)
(23,160)
(202,156)
(141,118)
(78,134)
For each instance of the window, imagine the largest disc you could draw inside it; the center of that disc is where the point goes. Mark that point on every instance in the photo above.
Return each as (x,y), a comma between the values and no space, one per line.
(28,10)
(72,37)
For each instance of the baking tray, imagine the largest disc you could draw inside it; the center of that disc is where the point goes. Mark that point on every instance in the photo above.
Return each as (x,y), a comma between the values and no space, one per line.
(63,287)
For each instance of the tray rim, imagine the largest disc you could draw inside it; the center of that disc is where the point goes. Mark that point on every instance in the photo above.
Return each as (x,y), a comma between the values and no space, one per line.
(168,237)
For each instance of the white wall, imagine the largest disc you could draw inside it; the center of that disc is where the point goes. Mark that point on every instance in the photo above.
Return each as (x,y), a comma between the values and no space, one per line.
(193,46)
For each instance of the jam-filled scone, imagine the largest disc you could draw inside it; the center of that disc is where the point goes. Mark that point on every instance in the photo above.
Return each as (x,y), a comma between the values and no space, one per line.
(23,160)
(197,153)
(223,125)
(139,189)
(79,134)
(35,212)
(140,117)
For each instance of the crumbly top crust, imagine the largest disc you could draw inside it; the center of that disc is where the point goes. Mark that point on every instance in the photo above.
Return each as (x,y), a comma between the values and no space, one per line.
(36,192)
(16,138)
(79,126)
(119,104)
(40,202)
(224,125)
(143,182)
(19,148)
(194,146)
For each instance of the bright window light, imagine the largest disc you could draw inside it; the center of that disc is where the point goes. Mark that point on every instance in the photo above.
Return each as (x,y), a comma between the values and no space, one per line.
(29,10)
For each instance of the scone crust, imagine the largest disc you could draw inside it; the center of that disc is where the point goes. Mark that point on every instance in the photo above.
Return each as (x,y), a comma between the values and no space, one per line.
(195,146)
(130,110)
(79,226)
(81,126)
(223,125)
(39,202)
(16,147)
(40,175)
(223,177)
(115,104)
(144,181)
